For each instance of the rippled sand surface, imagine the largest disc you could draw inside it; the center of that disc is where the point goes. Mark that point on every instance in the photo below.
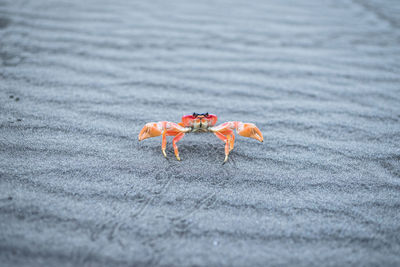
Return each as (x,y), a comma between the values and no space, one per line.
(79,79)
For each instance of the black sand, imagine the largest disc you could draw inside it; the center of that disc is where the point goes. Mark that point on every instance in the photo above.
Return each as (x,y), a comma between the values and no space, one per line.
(78,80)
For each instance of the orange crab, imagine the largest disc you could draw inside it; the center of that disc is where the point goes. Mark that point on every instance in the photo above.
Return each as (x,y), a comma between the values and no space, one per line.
(199,123)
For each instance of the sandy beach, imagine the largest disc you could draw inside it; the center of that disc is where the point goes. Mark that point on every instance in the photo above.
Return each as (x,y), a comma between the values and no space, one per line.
(79,79)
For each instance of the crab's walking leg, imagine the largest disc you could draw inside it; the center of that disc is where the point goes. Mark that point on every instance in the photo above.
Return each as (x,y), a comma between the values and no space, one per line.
(231,139)
(227,144)
(164,143)
(176,140)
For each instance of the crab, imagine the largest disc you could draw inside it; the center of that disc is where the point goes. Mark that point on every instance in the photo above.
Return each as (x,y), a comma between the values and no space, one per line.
(199,123)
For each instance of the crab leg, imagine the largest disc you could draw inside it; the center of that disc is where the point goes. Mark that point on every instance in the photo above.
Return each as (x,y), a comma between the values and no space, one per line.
(231,141)
(164,128)
(164,143)
(176,140)
(227,143)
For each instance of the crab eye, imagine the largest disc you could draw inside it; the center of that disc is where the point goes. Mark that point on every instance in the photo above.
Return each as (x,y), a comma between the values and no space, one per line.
(194,114)
(206,114)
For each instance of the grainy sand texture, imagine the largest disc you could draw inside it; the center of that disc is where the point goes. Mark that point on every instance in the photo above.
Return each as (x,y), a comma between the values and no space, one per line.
(79,79)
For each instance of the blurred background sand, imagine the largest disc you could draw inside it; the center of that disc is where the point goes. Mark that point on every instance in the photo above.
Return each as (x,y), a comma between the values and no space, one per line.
(79,79)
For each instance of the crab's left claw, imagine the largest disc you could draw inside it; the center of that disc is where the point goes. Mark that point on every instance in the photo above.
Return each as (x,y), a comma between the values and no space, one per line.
(249,130)
(151,129)
(225,133)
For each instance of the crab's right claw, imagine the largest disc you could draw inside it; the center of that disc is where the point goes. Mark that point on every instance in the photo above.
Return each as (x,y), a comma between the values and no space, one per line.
(151,129)
(250,130)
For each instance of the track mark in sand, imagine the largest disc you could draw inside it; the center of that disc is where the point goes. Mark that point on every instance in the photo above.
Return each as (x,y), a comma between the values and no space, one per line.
(179,225)
(113,233)
(155,194)
(209,198)
(110,230)
(81,257)
(96,231)
(378,13)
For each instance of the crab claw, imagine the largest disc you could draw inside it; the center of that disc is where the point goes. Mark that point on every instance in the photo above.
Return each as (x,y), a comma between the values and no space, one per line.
(249,130)
(151,129)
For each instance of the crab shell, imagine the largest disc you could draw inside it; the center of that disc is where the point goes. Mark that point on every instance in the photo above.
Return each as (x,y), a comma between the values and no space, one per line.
(199,122)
